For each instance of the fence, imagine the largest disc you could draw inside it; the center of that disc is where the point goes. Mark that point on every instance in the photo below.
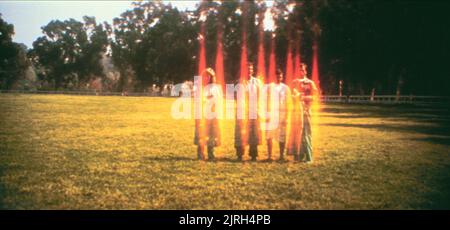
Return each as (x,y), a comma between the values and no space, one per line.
(382,99)
(386,99)
(85,92)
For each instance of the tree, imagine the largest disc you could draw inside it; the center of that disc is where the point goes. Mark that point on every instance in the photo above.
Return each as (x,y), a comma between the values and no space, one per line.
(69,53)
(13,61)
(365,44)
(154,44)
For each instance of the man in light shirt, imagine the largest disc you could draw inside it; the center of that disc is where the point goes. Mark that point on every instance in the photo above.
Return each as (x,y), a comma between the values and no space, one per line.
(282,95)
(247,129)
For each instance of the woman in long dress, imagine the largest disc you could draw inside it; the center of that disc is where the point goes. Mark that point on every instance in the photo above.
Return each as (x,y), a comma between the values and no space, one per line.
(303,90)
(207,130)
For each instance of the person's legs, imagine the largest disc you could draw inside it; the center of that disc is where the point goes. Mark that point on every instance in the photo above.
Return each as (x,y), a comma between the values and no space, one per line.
(307,139)
(298,148)
(239,152)
(306,144)
(211,153)
(301,154)
(200,152)
(297,157)
(282,144)
(269,149)
(253,150)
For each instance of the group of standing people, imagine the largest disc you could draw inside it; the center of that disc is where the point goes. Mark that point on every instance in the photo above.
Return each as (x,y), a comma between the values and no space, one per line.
(292,129)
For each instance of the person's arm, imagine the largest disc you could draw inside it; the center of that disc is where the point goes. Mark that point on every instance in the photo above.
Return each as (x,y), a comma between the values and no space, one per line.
(313,84)
(295,93)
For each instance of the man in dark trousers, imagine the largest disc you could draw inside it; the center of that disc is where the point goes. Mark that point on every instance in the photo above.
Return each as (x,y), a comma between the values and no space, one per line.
(282,95)
(247,129)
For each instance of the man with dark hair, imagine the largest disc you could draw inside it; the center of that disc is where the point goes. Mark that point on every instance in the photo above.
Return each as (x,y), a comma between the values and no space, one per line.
(247,130)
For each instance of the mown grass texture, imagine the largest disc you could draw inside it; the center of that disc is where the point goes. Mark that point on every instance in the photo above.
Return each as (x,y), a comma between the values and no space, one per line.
(95,152)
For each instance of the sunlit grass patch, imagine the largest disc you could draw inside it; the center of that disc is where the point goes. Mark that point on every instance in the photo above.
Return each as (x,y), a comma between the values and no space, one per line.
(92,152)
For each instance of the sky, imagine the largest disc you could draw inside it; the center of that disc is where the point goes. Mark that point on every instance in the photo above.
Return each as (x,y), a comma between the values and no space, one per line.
(29,16)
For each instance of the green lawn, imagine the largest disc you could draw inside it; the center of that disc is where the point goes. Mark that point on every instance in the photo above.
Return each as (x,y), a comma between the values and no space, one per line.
(94,152)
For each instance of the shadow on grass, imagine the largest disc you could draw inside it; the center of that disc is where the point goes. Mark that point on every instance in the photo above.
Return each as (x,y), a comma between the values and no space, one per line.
(435,119)
(436,140)
(420,113)
(2,189)
(190,159)
(422,118)
(440,196)
(434,122)
(171,159)
(216,160)
(442,131)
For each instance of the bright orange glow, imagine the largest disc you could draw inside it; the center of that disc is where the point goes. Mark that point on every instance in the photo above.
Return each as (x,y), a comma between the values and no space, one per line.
(272,62)
(202,55)
(243,67)
(316,105)
(297,60)
(219,60)
(315,67)
(220,76)
(289,67)
(261,65)
(200,123)
(243,76)
(261,56)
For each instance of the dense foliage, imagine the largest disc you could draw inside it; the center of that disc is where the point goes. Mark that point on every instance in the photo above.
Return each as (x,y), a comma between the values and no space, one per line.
(386,46)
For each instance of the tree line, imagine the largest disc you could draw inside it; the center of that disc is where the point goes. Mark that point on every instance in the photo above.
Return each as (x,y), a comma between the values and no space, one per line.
(386,46)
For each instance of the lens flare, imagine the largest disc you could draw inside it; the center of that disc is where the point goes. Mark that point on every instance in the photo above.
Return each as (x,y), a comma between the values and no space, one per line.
(289,68)
(316,106)
(297,58)
(220,75)
(261,54)
(219,60)
(272,62)
(242,123)
(315,66)
(198,108)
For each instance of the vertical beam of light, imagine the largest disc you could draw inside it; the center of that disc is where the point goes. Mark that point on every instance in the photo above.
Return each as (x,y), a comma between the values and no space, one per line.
(269,25)
(243,66)
(271,78)
(220,74)
(261,54)
(272,61)
(262,75)
(316,105)
(297,57)
(202,52)
(315,66)
(289,67)
(290,75)
(243,76)
(297,41)
(199,118)
(219,60)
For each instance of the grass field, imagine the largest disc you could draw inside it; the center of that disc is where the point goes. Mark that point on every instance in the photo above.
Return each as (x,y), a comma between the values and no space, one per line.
(93,152)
